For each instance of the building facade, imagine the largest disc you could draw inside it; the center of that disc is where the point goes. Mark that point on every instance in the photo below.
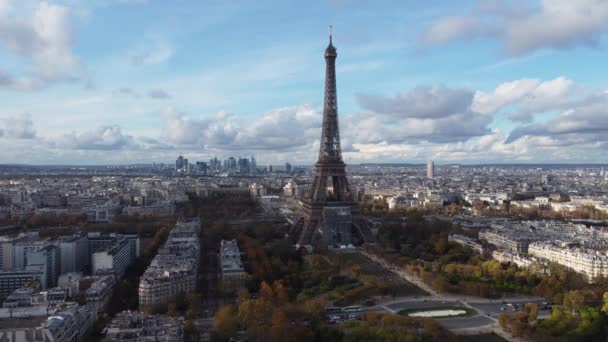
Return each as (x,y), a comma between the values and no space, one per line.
(74,253)
(174,269)
(117,258)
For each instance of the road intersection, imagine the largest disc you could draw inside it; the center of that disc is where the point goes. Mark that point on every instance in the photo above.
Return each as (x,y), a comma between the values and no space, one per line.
(488,310)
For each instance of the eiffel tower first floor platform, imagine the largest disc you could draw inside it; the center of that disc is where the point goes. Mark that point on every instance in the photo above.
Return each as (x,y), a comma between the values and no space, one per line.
(314,219)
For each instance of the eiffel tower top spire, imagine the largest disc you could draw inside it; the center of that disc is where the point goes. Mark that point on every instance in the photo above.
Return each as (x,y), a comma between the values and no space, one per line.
(330,151)
(331,50)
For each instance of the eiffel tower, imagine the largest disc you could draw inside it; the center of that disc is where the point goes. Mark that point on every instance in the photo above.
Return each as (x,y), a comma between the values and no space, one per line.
(330,215)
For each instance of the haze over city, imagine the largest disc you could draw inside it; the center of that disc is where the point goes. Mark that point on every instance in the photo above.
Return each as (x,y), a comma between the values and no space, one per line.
(136,81)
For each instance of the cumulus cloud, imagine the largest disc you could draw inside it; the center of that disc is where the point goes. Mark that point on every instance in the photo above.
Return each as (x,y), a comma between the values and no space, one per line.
(182,130)
(279,129)
(557,24)
(531,95)
(421,102)
(44,40)
(424,114)
(100,138)
(19,127)
(159,94)
(581,122)
(148,143)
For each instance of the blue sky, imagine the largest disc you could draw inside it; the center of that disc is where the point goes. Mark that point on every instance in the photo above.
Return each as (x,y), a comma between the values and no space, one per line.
(121,81)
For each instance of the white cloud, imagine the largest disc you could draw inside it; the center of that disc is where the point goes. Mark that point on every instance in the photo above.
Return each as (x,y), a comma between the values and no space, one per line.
(279,129)
(452,28)
(556,24)
(19,127)
(436,122)
(181,130)
(424,114)
(54,58)
(559,24)
(421,102)
(100,138)
(45,41)
(584,121)
(532,95)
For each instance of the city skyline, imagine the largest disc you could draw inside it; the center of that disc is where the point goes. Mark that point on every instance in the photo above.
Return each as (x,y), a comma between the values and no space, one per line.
(108,82)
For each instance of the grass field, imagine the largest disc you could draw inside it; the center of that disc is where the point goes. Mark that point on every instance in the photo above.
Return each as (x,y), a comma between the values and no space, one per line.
(469,312)
(481,338)
(397,286)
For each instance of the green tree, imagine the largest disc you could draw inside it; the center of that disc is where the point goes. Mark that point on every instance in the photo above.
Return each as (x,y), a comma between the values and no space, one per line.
(605,303)
(574,300)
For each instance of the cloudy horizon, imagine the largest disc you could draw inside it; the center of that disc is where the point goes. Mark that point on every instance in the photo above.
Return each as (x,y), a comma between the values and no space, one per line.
(142,81)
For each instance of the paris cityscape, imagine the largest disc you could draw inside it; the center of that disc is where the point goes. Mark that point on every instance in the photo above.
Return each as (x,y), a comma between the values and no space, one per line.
(469,205)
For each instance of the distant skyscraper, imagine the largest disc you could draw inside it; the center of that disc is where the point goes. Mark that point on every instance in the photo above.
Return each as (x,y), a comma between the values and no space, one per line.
(214,165)
(430,169)
(243,166)
(253,165)
(179,163)
(201,168)
(269,168)
(287,167)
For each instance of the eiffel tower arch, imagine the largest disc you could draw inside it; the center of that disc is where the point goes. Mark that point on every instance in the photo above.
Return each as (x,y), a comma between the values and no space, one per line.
(330,215)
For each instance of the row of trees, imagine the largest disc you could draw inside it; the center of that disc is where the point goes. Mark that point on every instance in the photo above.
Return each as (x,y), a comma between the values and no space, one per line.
(570,322)
(270,317)
(421,246)
(581,309)
(126,291)
(54,220)
(218,207)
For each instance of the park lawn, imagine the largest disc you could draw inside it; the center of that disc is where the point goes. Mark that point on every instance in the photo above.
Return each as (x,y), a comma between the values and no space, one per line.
(469,312)
(395,285)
